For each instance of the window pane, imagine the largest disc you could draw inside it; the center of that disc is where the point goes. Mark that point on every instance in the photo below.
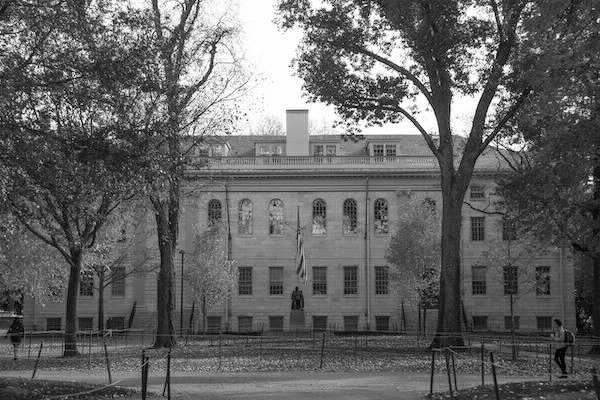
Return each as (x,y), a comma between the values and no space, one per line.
(480,323)
(275,280)
(351,323)
(245,217)
(544,323)
(382,323)
(381,216)
(479,281)
(85,323)
(53,324)
(350,220)
(214,211)
(318,150)
(319,217)
(245,281)
(276,217)
(276,324)
(118,281)
(511,284)
(319,280)
(351,280)
(331,150)
(542,280)
(319,323)
(245,324)
(477,192)
(378,150)
(477,228)
(390,150)
(86,285)
(381,280)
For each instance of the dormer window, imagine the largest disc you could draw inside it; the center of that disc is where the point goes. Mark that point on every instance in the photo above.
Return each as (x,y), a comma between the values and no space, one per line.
(269,149)
(320,150)
(387,150)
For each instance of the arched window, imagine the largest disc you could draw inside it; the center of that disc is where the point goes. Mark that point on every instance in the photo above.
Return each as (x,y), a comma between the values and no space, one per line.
(276,217)
(349,221)
(319,217)
(245,217)
(214,212)
(381,216)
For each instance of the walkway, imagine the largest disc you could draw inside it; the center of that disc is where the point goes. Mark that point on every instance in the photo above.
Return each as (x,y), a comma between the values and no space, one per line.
(288,385)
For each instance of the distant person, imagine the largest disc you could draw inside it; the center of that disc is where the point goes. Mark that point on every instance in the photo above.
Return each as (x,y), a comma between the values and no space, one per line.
(16,333)
(558,335)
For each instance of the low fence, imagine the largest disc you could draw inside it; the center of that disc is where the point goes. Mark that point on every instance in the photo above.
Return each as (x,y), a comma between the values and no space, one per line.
(287,351)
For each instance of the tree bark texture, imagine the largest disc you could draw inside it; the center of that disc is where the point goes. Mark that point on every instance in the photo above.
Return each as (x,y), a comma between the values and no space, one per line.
(71,306)
(165,331)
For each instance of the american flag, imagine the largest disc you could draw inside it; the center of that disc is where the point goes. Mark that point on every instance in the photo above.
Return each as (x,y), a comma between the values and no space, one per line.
(300,258)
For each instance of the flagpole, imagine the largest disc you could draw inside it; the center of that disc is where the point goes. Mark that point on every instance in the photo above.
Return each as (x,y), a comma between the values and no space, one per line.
(297,232)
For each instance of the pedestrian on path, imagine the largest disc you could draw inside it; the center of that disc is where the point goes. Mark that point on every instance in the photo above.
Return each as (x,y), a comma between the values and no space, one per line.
(16,333)
(558,335)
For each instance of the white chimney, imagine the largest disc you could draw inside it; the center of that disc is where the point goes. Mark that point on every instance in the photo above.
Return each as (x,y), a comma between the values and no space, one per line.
(296,127)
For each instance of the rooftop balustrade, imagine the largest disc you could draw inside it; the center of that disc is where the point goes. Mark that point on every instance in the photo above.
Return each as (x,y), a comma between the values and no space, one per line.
(313,163)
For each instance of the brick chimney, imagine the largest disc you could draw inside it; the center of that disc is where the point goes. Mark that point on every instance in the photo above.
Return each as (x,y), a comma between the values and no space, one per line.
(296,127)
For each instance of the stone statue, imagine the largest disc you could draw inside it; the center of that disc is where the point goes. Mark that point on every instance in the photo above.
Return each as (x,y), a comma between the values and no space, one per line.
(297,299)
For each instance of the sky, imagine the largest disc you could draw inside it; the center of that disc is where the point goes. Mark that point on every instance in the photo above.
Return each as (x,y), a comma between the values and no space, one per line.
(271,51)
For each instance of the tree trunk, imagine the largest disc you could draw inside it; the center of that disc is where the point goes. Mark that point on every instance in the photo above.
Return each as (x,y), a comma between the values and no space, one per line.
(165,331)
(71,306)
(596,303)
(449,330)
(101,275)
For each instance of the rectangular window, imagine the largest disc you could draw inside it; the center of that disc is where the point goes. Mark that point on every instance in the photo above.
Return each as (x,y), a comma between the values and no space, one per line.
(319,280)
(53,324)
(319,323)
(382,323)
(390,150)
(115,323)
(378,150)
(381,280)
(477,229)
(351,280)
(544,323)
(509,230)
(542,281)
(330,149)
(507,322)
(477,192)
(245,281)
(351,323)
(511,281)
(478,278)
(86,285)
(318,150)
(118,281)
(480,323)
(244,324)
(276,323)
(275,281)
(85,323)
(213,324)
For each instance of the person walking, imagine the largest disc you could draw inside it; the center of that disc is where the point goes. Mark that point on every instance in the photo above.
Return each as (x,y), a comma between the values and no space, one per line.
(16,333)
(558,335)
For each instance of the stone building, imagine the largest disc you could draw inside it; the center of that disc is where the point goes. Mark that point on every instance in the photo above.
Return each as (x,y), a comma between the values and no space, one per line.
(344,196)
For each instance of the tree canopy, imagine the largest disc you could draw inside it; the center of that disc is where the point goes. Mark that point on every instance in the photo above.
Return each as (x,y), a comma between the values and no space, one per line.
(380,61)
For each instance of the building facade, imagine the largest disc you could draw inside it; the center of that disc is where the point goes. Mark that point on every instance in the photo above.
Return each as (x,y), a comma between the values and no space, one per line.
(344,198)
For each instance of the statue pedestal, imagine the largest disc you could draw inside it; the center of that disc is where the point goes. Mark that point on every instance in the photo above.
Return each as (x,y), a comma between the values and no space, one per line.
(296,320)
